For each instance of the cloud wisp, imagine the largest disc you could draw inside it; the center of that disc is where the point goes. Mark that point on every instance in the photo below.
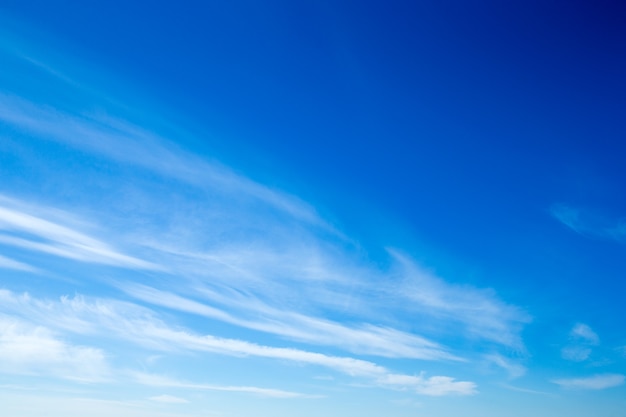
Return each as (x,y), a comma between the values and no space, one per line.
(193,236)
(128,144)
(595,382)
(27,349)
(168,399)
(142,326)
(26,231)
(582,340)
(589,223)
(9,263)
(366,339)
(165,382)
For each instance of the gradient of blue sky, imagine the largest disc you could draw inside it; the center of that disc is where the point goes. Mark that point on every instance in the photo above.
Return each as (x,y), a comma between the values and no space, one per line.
(322,208)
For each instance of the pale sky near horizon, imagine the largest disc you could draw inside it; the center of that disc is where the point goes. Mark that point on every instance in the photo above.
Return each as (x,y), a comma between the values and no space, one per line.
(312,208)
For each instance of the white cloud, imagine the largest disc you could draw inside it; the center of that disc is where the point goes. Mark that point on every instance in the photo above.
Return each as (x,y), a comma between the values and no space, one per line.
(596,382)
(480,313)
(35,350)
(252,256)
(57,239)
(143,327)
(46,404)
(589,223)
(130,144)
(582,338)
(584,332)
(575,353)
(13,264)
(243,253)
(434,386)
(161,381)
(367,339)
(169,399)
(515,370)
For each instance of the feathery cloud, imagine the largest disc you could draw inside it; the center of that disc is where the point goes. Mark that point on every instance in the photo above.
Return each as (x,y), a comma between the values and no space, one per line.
(582,339)
(34,350)
(143,327)
(596,382)
(589,223)
(168,399)
(30,232)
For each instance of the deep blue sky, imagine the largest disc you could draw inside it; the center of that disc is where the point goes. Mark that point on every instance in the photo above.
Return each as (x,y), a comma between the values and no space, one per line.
(482,140)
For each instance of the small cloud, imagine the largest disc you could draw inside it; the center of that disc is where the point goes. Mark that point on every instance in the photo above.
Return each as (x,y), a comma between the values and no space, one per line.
(324,378)
(582,338)
(38,233)
(596,382)
(9,263)
(163,381)
(513,369)
(575,353)
(583,331)
(170,399)
(434,386)
(590,223)
(26,349)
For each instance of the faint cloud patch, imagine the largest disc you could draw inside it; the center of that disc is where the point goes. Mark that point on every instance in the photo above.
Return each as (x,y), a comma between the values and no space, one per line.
(590,223)
(582,339)
(169,399)
(596,382)
(514,370)
(35,350)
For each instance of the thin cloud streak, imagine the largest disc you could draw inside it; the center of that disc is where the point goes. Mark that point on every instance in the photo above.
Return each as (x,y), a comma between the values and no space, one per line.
(366,339)
(245,302)
(59,240)
(596,382)
(123,142)
(480,312)
(242,253)
(229,246)
(162,381)
(515,370)
(142,326)
(590,224)
(168,399)
(9,263)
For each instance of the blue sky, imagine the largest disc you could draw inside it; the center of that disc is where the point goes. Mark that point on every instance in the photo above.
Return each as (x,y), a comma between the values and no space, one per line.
(323,208)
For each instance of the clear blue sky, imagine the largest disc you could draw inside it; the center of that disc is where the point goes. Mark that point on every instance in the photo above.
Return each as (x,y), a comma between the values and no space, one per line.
(240,208)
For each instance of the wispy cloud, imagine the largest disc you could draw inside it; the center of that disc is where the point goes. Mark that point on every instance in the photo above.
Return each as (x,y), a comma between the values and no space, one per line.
(143,327)
(43,403)
(596,382)
(218,244)
(248,284)
(589,223)
(254,251)
(479,312)
(515,370)
(583,332)
(34,233)
(130,144)
(433,386)
(9,263)
(168,399)
(162,381)
(582,339)
(34,350)
(367,339)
